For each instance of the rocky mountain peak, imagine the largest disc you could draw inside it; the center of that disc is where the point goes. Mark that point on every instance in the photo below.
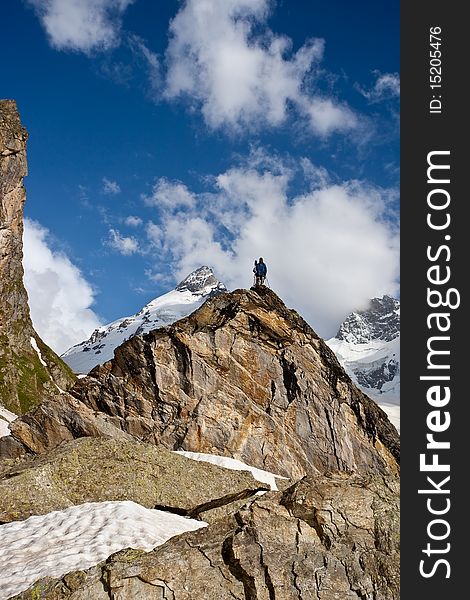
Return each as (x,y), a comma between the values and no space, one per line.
(243,376)
(379,321)
(196,377)
(159,312)
(201,281)
(29,370)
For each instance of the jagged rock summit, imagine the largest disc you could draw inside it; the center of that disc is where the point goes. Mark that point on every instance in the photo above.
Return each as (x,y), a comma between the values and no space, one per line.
(29,370)
(379,321)
(368,347)
(188,295)
(242,377)
(202,282)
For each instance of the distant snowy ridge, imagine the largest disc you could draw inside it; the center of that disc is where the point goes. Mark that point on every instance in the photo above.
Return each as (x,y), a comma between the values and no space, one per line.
(188,295)
(80,537)
(368,347)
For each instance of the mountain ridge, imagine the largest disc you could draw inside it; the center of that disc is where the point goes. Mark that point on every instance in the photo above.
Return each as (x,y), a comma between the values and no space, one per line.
(368,347)
(188,295)
(243,382)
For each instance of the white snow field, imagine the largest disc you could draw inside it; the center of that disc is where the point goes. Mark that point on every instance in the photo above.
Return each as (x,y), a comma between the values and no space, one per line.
(6,417)
(234,465)
(189,295)
(368,357)
(80,537)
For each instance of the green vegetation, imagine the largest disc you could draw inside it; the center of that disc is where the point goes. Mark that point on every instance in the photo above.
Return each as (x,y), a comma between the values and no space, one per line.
(35,593)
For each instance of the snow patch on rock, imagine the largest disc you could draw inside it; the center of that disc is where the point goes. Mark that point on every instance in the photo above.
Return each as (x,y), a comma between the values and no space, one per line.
(235,465)
(35,347)
(78,538)
(6,417)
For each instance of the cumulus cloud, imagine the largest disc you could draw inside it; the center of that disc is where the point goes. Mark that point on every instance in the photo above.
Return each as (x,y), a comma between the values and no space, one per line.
(386,86)
(111,188)
(223,58)
(326,115)
(328,251)
(133,221)
(169,194)
(60,297)
(125,245)
(81,25)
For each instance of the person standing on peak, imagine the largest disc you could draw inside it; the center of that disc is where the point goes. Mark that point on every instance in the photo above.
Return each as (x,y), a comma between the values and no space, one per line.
(260,270)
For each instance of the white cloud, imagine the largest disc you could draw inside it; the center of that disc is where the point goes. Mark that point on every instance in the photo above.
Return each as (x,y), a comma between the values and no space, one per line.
(59,296)
(328,251)
(125,245)
(222,56)
(326,116)
(386,86)
(169,194)
(317,176)
(150,60)
(81,25)
(110,188)
(133,221)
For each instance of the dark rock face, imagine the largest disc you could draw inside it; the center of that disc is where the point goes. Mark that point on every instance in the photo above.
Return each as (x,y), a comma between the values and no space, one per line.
(24,380)
(376,378)
(200,280)
(380,321)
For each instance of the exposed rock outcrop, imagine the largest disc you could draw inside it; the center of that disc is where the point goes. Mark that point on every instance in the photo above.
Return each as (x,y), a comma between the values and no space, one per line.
(29,369)
(99,470)
(246,377)
(242,376)
(335,537)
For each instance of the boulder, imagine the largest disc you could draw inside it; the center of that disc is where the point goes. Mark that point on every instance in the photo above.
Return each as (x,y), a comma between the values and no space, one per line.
(324,539)
(99,470)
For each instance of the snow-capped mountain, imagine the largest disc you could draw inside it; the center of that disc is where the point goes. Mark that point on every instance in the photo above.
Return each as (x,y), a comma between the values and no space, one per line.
(188,295)
(368,346)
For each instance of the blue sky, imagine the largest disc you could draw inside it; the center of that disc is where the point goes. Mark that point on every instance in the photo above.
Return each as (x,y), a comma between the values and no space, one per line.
(165,135)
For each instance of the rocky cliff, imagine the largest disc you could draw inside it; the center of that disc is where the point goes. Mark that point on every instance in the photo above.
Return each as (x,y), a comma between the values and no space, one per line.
(243,378)
(29,370)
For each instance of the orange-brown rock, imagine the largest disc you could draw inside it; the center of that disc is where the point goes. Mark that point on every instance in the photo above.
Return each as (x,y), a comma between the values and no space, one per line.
(25,377)
(246,377)
(327,538)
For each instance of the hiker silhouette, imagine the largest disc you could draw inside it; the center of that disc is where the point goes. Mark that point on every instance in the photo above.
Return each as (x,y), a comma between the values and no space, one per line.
(260,270)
